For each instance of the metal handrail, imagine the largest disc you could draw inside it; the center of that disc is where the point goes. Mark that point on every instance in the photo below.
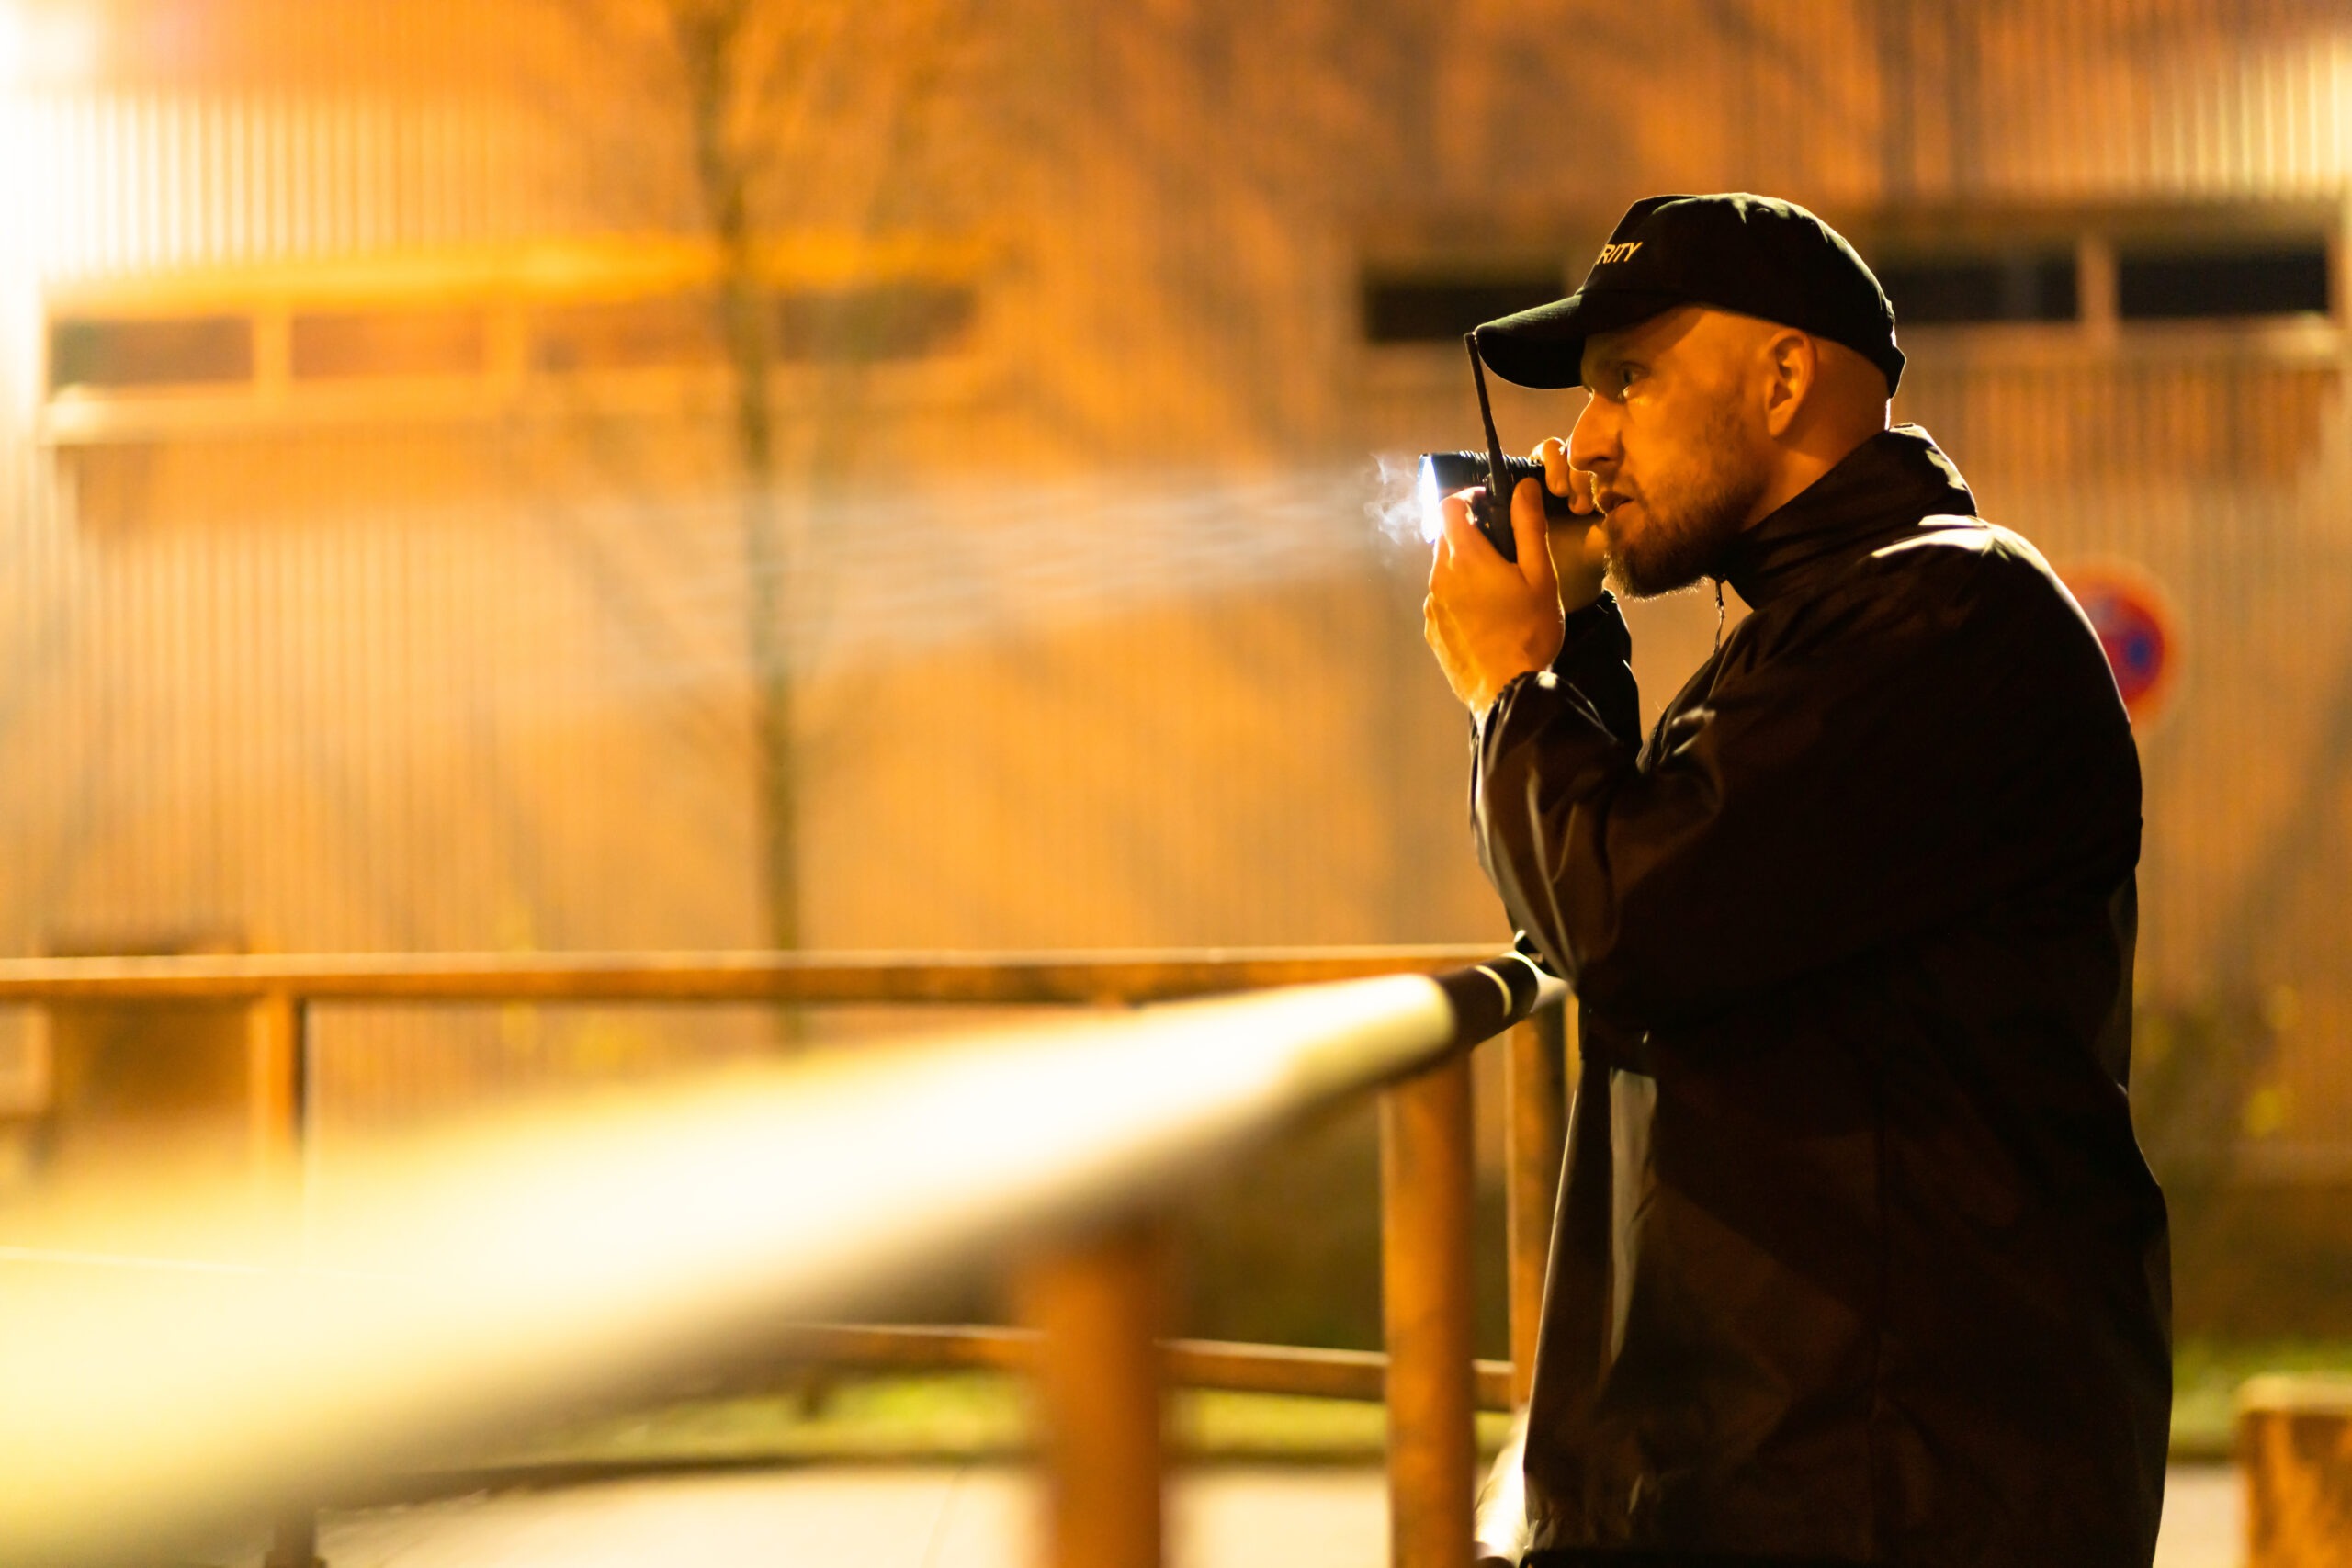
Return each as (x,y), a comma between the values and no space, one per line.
(1046,978)
(483,1279)
(1187,1363)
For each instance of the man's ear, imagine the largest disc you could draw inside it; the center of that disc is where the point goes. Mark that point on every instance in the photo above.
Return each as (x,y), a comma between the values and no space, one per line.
(1792,368)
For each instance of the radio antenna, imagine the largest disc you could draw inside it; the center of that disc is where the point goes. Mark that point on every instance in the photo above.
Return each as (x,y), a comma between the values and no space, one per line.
(1496,495)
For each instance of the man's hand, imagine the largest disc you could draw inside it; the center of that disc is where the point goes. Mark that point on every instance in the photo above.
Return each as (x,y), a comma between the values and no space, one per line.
(1578,545)
(1490,620)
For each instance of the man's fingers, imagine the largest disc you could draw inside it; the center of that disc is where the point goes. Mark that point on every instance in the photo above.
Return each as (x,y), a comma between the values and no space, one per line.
(1580,492)
(1596,547)
(1456,552)
(1531,530)
(1459,530)
(1562,480)
(1485,618)
(1557,477)
(1439,630)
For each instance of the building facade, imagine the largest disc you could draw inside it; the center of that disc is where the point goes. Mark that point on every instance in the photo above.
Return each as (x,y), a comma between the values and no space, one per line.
(372,426)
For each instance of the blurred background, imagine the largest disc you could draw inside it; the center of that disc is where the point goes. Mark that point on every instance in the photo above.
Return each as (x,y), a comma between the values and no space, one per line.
(697,474)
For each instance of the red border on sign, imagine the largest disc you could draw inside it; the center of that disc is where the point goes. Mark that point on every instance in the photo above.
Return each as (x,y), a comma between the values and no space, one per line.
(2130,580)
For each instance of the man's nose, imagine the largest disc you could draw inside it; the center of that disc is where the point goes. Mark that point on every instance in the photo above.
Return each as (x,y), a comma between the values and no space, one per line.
(1592,445)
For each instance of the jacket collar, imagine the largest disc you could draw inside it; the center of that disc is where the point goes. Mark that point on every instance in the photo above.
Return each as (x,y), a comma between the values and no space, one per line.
(1879,489)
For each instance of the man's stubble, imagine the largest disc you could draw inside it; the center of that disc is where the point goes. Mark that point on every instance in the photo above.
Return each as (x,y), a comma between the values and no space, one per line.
(1693,517)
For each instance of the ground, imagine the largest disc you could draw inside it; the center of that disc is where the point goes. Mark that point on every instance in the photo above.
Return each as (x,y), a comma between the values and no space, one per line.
(977,1515)
(928,1472)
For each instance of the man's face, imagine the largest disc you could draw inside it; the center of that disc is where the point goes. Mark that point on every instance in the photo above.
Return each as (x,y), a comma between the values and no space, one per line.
(1675,447)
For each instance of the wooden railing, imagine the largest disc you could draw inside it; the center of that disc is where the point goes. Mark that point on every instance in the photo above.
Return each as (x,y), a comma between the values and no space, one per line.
(1088,1297)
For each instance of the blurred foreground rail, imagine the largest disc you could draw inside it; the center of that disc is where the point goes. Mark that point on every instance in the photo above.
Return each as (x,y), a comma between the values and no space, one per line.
(1105,979)
(507,1273)
(1185,1364)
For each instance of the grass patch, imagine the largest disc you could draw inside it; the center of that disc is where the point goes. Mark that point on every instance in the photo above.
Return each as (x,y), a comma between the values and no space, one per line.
(2207,1373)
(954,1415)
(1217,1423)
(979,1414)
(949,1416)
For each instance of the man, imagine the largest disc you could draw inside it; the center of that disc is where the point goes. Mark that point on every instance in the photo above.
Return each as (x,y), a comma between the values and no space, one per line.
(1857,1258)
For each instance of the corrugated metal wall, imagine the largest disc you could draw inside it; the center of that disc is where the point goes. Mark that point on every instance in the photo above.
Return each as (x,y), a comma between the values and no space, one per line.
(150,181)
(1125,663)
(2226,480)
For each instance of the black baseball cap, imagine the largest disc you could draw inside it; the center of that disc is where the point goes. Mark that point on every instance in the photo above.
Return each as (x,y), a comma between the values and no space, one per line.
(1755,254)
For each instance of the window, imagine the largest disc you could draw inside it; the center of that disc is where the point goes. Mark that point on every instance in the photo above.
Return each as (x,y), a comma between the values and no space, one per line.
(443,337)
(628,335)
(1441,309)
(344,344)
(864,325)
(904,320)
(2102,266)
(2174,285)
(155,350)
(2025,286)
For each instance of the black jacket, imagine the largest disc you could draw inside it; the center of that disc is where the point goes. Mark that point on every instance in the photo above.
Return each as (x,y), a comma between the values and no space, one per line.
(1856,1261)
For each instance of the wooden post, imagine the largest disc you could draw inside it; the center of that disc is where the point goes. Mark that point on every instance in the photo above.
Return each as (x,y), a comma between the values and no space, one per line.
(278,1111)
(1425,1196)
(274,1087)
(1535,1135)
(1096,1301)
(294,1541)
(2295,1443)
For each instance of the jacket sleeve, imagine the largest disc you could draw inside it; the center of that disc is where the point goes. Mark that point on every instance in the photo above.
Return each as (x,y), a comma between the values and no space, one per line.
(1594,674)
(1596,659)
(1897,755)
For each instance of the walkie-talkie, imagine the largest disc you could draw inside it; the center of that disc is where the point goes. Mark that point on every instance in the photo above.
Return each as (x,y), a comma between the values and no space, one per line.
(1492,510)
(1443,473)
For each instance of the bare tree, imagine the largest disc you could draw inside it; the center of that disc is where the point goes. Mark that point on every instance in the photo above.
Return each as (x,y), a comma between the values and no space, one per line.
(749,120)
(711,39)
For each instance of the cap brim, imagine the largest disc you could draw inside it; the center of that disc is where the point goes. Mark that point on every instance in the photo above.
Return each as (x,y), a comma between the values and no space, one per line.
(1544,347)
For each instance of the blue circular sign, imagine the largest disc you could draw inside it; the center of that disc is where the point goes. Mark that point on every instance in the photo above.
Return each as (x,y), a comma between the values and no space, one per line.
(2135,626)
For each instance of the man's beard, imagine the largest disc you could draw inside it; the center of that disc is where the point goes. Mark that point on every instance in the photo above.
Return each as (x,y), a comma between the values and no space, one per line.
(1690,521)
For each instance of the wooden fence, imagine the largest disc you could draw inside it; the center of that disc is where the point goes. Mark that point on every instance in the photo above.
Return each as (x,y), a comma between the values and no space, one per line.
(1087,1302)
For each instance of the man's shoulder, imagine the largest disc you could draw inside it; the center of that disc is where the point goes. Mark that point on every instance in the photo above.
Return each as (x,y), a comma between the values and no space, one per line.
(1956,542)
(1950,582)
(1954,568)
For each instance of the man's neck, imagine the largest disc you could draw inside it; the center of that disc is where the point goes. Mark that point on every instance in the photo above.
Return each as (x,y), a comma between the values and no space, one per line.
(1804,461)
